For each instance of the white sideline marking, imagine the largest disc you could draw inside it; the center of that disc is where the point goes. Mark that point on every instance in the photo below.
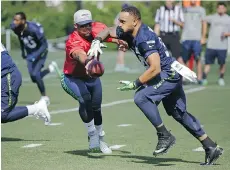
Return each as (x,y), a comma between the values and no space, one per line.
(116,147)
(32,145)
(199,149)
(192,90)
(124,125)
(54,124)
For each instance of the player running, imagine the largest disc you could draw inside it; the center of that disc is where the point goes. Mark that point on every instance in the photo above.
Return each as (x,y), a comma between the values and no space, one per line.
(77,82)
(33,41)
(160,82)
(10,83)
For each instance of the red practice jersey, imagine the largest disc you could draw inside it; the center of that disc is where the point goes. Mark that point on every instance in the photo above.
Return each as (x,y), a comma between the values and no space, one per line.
(74,43)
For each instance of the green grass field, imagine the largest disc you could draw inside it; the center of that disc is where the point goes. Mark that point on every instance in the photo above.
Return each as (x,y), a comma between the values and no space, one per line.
(65,147)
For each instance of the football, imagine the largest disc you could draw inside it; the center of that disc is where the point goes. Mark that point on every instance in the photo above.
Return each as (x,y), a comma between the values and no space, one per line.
(95,68)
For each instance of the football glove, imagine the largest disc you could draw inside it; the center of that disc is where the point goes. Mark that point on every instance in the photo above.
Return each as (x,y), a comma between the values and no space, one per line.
(184,71)
(128,85)
(95,48)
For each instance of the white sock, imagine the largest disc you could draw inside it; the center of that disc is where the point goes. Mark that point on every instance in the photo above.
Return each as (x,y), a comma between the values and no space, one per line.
(90,126)
(32,109)
(99,128)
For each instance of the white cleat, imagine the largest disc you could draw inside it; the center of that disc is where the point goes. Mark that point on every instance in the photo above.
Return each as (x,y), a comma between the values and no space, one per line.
(47,100)
(221,82)
(103,145)
(53,66)
(42,111)
(94,144)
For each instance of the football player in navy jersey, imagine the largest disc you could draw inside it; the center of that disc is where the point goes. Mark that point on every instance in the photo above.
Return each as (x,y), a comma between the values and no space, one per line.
(11,80)
(33,42)
(160,82)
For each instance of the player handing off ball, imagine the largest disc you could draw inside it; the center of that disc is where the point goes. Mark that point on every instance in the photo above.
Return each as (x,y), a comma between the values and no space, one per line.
(81,77)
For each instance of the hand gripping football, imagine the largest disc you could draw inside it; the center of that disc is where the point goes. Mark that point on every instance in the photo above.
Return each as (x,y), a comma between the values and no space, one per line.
(95,68)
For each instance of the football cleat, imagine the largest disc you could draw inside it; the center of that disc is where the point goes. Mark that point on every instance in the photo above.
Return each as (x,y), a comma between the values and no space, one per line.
(47,100)
(103,145)
(164,143)
(212,154)
(42,111)
(94,143)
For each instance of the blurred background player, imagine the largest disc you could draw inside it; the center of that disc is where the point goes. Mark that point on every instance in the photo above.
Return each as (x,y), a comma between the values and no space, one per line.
(158,83)
(77,83)
(33,41)
(192,36)
(11,80)
(168,20)
(120,65)
(217,44)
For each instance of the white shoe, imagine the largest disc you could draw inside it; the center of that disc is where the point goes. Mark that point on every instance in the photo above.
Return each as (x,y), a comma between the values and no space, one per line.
(103,145)
(42,111)
(53,66)
(94,144)
(221,82)
(47,100)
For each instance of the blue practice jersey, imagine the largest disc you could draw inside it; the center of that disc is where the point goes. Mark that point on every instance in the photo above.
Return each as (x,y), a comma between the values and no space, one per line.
(32,39)
(147,42)
(7,64)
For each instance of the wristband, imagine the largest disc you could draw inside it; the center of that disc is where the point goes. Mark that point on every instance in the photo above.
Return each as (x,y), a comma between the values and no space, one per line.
(138,83)
(98,38)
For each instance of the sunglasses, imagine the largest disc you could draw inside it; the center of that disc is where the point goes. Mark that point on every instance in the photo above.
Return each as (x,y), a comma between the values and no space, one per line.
(85,26)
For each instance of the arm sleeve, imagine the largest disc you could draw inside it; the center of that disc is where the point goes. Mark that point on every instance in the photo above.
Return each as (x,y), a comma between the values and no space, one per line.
(157,16)
(208,18)
(181,15)
(148,47)
(22,48)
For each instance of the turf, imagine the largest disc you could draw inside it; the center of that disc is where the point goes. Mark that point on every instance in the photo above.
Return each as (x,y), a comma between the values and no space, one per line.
(65,146)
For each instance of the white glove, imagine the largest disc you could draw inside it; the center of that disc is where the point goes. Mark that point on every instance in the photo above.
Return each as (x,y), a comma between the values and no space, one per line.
(184,71)
(95,48)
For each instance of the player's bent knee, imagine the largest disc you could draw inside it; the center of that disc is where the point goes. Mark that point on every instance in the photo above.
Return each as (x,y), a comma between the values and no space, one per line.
(140,99)
(4,117)
(33,78)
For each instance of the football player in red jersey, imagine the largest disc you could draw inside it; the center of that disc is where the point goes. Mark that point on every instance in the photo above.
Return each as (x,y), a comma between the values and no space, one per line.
(76,81)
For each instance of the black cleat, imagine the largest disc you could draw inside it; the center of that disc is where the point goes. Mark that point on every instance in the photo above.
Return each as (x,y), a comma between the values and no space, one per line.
(164,143)
(212,154)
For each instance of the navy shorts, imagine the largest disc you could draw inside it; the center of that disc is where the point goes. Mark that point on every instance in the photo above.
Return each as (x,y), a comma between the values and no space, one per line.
(169,91)
(10,85)
(89,89)
(191,47)
(35,67)
(212,54)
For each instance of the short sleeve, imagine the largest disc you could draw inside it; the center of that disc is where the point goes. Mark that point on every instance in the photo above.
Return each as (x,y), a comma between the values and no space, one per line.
(147,48)
(208,18)
(72,46)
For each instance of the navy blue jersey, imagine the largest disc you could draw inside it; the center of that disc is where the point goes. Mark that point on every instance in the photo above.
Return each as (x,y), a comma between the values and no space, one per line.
(32,39)
(7,64)
(147,42)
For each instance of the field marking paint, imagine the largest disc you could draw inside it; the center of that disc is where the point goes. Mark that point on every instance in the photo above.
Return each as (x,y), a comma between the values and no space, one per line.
(124,125)
(199,149)
(188,91)
(54,124)
(32,145)
(116,147)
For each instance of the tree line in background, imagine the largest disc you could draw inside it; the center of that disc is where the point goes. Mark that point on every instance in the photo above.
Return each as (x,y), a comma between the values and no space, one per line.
(58,21)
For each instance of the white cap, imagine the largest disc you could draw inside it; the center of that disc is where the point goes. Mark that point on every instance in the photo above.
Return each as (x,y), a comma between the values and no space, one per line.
(82,17)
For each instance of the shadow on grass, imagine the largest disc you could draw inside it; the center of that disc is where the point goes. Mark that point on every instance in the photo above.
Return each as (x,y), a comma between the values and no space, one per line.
(6,139)
(133,158)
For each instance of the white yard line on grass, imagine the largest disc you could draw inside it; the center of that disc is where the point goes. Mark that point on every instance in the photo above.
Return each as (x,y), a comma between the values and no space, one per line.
(188,91)
(32,145)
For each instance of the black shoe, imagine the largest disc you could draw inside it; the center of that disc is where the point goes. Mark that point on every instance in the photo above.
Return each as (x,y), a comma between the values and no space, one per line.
(164,143)
(212,154)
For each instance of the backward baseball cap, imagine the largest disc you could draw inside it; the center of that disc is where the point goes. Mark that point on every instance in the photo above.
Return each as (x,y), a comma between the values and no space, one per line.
(82,17)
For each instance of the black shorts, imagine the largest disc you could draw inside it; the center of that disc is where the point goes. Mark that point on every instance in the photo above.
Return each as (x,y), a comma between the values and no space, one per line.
(172,42)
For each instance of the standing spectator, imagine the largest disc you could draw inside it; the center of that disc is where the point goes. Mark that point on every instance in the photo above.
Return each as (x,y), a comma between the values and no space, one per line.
(192,35)
(120,65)
(168,20)
(217,41)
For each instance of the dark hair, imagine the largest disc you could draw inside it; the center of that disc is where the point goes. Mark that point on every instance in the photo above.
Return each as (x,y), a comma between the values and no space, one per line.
(22,15)
(132,10)
(221,3)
